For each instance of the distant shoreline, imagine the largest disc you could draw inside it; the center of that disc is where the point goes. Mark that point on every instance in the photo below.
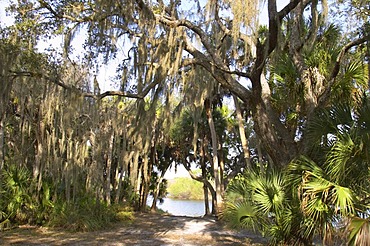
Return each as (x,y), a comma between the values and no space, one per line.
(183,198)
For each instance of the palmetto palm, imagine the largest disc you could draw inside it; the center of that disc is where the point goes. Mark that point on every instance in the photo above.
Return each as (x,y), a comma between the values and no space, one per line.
(332,180)
(15,198)
(336,186)
(310,197)
(263,202)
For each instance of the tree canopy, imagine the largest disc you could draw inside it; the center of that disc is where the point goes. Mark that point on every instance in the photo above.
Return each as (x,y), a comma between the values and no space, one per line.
(170,48)
(172,58)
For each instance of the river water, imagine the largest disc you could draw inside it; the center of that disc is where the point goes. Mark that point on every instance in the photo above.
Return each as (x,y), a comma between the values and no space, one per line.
(178,207)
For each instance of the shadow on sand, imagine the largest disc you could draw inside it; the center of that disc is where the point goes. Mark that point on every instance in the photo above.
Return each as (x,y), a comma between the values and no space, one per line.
(146,229)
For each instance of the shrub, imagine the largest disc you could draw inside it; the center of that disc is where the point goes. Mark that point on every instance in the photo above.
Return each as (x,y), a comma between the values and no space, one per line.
(124,212)
(15,200)
(85,214)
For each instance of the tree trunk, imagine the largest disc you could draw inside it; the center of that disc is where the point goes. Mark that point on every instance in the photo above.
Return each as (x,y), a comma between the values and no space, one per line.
(6,61)
(2,150)
(39,147)
(210,187)
(204,176)
(122,163)
(153,208)
(136,179)
(260,157)
(37,168)
(206,200)
(205,192)
(134,167)
(205,182)
(221,162)
(108,169)
(215,161)
(275,138)
(2,145)
(243,138)
(93,163)
(145,183)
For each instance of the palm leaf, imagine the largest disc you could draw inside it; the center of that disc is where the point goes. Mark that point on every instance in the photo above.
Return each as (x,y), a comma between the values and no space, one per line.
(324,195)
(239,186)
(328,123)
(269,194)
(298,168)
(343,199)
(359,231)
(363,118)
(240,214)
(356,71)
(338,157)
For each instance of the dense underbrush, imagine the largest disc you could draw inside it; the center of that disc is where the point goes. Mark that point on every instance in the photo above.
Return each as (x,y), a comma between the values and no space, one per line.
(22,203)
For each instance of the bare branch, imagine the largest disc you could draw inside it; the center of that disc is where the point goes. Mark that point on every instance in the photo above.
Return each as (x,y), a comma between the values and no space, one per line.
(60,83)
(343,51)
(288,8)
(325,95)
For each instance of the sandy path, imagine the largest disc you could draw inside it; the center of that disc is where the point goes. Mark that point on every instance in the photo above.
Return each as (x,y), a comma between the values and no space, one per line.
(147,229)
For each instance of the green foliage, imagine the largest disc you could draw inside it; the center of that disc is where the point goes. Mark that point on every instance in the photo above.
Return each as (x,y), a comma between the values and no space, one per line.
(21,203)
(327,196)
(123,212)
(325,50)
(185,188)
(50,113)
(15,203)
(240,213)
(85,214)
(359,229)
(162,189)
(261,202)
(291,206)
(125,216)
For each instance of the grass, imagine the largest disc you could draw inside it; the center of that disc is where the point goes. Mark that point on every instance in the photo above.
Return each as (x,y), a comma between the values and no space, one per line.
(88,214)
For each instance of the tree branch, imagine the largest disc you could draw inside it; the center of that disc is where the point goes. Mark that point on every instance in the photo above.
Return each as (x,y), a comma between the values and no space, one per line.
(286,10)
(86,94)
(62,16)
(343,51)
(325,95)
(199,178)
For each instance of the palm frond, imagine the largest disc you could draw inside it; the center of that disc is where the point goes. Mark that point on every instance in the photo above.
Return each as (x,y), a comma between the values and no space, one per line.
(344,199)
(325,50)
(239,185)
(307,229)
(359,231)
(328,123)
(339,156)
(324,197)
(297,169)
(240,214)
(269,193)
(363,117)
(356,72)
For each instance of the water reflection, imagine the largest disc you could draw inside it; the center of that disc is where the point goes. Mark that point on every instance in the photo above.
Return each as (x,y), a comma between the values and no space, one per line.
(182,207)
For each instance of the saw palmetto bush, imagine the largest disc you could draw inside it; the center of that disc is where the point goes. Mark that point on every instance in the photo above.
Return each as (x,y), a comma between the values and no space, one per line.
(85,214)
(15,202)
(263,202)
(20,201)
(324,196)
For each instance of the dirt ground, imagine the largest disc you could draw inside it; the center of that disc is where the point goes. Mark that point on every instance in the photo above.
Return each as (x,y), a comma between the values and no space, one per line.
(146,229)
